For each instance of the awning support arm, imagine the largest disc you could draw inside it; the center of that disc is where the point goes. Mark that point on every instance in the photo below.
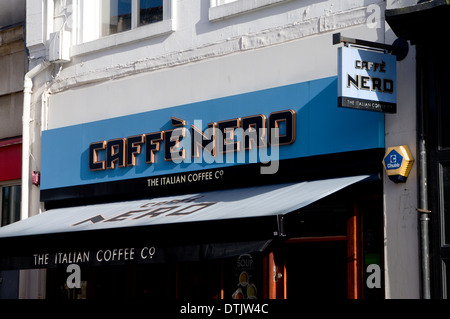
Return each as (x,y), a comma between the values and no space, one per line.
(280,222)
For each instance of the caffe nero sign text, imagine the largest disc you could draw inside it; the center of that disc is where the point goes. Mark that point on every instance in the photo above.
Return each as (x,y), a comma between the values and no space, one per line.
(366,80)
(222,137)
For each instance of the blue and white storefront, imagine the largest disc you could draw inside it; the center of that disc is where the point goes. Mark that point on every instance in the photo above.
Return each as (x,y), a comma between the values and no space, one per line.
(241,182)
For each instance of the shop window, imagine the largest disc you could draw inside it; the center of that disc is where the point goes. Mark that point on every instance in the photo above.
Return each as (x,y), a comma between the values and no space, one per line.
(240,277)
(108,23)
(155,282)
(10,197)
(243,277)
(221,9)
(57,285)
(317,270)
(199,280)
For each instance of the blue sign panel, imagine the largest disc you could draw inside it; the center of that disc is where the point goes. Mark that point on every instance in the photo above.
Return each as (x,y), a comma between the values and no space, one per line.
(288,122)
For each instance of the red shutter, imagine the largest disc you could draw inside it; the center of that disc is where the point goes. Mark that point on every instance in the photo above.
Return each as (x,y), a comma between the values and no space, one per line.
(10,159)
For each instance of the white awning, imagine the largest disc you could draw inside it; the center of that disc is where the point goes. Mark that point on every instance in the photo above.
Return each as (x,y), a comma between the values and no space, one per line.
(277,199)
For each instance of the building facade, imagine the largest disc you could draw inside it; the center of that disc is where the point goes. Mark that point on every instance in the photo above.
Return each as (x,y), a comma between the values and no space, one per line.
(202,140)
(13,64)
(432,104)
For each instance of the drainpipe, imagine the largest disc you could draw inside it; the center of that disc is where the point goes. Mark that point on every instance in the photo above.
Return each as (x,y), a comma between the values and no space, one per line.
(424,220)
(423,210)
(26,136)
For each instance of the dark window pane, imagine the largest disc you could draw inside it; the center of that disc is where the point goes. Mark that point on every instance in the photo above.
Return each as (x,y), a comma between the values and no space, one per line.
(442,100)
(10,204)
(199,280)
(446,200)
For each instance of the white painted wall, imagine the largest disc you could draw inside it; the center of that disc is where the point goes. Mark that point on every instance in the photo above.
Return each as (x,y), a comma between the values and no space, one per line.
(293,62)
(402,263)
(205,59)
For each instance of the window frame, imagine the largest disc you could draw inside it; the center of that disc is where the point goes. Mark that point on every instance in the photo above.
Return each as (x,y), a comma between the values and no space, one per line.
(89,17)
(4,184)
(223,9)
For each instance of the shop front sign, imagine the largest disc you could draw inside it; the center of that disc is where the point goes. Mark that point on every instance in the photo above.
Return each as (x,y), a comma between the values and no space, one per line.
(208,143)
(367,80)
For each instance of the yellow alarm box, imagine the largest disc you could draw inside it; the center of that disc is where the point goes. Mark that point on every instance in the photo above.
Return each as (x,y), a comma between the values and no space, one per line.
(398,162)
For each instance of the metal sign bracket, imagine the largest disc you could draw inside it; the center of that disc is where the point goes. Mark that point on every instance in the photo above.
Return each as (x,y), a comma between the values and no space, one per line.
(399,48)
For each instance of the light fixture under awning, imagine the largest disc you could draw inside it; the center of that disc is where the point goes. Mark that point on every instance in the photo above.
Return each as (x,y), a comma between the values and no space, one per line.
(270,200)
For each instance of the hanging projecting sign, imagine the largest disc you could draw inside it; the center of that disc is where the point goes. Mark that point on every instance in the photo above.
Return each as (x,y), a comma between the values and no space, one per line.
(367,80)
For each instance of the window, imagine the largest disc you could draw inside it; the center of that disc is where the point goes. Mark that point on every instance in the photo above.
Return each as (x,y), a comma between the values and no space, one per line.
(221,2)
(10,196)
(115,16)
(123,15)
(150,11)
(103,24)
(240,277)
